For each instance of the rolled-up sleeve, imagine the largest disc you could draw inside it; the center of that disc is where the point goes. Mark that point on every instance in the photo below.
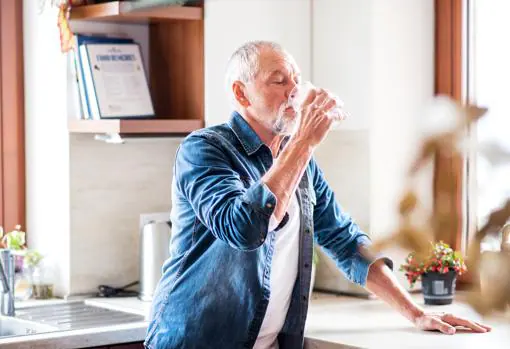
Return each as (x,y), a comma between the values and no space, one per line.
(234,213)
(337,233)
(260,198)
(362,261)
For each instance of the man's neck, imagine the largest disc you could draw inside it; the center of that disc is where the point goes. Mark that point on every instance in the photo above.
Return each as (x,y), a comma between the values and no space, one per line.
(266,135)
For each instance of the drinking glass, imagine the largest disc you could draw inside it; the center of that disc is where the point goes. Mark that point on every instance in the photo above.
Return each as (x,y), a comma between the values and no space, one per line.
(298,95)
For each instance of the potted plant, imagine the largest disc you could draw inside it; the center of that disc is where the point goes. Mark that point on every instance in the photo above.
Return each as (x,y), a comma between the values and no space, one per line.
(437,271)
(26,281)
(38,277)
(14,241)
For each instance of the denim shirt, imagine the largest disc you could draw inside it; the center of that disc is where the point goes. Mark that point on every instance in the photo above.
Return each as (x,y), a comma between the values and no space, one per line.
(215,286)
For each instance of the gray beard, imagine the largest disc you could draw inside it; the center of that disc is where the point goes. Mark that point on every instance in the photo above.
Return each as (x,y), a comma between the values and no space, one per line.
(283,126)
(280,126)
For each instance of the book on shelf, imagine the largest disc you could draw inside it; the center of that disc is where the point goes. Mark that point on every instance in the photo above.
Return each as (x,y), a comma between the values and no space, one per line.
(74,105)
(111,78)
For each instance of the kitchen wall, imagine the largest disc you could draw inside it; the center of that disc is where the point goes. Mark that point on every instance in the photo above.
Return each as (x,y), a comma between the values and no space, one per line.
(382,61)
(402,89)
(46,141)
(110,186)
(84,196)
(344,159)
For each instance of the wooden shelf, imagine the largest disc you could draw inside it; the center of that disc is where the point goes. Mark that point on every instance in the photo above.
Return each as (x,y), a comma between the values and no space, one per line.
(124,126)
(176,66)
(127,11)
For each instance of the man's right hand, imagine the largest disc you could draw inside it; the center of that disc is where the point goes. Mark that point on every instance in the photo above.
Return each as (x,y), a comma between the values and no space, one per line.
(313,126)
(314,123)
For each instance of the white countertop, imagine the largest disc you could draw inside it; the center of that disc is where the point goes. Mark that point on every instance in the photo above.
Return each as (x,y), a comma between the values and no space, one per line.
(355,322)
(373,324)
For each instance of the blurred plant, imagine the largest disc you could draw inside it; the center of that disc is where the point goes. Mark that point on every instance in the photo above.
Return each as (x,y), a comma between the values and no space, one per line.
(441,259)
(42,3)
(64,8)
(33,258)
(13,240)
(59,3)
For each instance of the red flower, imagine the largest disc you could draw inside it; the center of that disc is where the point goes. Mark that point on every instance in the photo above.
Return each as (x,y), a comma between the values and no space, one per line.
(441,259)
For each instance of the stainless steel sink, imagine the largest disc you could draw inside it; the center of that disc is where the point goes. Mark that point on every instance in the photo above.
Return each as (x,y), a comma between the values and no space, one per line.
(76,315)
(10,326)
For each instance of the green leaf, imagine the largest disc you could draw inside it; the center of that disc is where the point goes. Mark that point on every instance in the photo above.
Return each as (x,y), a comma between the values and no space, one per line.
(15,240)
(33,258)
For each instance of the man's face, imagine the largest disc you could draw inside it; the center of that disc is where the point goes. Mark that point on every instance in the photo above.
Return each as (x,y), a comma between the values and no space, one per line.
(269,92)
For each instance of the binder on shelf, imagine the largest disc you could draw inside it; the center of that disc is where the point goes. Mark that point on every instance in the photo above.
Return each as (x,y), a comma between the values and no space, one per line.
(82,39)
(115,81)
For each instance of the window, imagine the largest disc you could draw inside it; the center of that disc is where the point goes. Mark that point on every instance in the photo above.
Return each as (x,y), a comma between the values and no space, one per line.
(487,84)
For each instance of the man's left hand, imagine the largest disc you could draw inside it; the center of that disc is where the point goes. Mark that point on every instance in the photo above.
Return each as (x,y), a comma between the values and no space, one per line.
(446,323)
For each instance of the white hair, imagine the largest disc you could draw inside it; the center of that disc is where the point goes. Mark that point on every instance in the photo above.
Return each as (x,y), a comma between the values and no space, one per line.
(243,65)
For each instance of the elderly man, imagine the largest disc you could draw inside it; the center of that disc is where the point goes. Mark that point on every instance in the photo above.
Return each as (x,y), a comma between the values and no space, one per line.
(248,199)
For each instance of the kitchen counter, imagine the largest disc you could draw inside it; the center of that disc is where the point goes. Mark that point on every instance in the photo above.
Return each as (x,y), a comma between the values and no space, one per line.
(85,338)
(373,324)
(350,322)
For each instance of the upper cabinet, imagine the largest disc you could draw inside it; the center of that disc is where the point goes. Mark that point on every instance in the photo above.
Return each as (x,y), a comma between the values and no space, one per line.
(342,53)
(174,61)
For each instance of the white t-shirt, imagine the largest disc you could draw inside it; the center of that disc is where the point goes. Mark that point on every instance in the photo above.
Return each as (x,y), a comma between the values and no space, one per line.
(284,268)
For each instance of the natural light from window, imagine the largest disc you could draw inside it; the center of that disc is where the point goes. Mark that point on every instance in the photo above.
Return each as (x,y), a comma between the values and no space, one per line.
(490,83)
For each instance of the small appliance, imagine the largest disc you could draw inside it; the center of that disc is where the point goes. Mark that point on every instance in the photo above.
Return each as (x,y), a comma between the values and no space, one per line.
(155,233)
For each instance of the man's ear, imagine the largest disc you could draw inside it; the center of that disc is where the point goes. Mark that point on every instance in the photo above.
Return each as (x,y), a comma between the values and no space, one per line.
(239,90)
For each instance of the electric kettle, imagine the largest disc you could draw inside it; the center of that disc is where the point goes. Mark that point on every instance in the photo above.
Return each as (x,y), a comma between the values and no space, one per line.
(155,233)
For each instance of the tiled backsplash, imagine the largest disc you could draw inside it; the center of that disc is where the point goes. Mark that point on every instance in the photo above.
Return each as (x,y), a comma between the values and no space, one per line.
(111,185)
(345,160)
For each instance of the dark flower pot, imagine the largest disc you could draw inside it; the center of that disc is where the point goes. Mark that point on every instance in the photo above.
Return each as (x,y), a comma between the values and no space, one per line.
(438,289)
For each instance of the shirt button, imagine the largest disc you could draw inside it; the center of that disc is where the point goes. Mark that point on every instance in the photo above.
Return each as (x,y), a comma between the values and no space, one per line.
(304,298)
(269,205)
(307,265)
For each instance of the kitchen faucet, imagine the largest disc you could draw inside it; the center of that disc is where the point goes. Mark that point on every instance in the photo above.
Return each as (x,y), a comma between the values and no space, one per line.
(7,282)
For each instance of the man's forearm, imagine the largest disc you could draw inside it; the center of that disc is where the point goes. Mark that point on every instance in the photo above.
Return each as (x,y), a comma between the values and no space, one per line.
(283,177)
(383,284)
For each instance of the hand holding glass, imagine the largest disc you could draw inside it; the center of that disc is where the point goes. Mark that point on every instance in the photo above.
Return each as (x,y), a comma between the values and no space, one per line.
(298,96)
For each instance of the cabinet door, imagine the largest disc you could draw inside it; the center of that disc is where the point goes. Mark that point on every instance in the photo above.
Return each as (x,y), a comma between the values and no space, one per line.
(342,55)
(228,24)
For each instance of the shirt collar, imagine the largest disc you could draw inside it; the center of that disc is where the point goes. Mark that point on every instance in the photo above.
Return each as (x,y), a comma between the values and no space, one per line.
(250,141)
